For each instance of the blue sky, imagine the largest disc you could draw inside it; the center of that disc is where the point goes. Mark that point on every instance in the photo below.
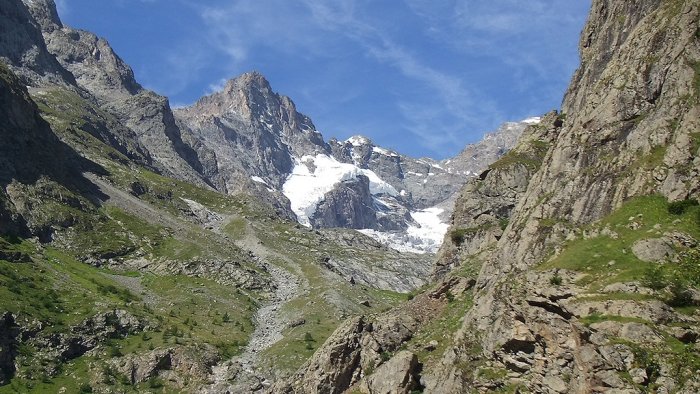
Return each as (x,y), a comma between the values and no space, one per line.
(423,77)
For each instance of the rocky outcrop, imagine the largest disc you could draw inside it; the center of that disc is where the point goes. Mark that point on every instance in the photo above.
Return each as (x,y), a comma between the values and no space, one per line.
(250,131)
(424,182)
(9,344)
(477,157)
(349,205)
(399,375)
(88,335)
(483,209)
(629,121)
(175,364)
(23,49)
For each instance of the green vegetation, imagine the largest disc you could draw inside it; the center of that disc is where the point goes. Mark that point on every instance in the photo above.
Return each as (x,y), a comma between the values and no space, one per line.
(556,280)
(55,288)
(459,235)
(679,207)
(531,156)
(608,258)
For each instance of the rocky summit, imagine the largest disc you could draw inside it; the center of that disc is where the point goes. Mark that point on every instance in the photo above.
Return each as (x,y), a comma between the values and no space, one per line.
(228,247)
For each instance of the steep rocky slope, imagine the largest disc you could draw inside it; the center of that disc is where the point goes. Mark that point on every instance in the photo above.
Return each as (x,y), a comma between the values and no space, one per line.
(583,241)
(630,130)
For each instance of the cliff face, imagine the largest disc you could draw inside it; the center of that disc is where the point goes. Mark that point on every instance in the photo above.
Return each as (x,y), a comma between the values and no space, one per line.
(484,207)
(630,128)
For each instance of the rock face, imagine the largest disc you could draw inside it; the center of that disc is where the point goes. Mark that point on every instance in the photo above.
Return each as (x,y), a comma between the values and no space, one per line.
(251,131)
(53,165)
(349,205)
(628,122)
(175,364)
(9,343)
(397,376)
(483,209)
(23,48)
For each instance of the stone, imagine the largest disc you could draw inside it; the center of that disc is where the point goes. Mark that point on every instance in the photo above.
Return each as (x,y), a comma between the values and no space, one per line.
(653,249)
(399,375)
(639,375)
(555,383)
(431,346)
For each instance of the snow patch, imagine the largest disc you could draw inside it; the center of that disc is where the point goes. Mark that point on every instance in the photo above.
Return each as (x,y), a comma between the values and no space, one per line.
(532,120)
(358,140)
(424,237)
(384,152)
(314,176)
(258,180)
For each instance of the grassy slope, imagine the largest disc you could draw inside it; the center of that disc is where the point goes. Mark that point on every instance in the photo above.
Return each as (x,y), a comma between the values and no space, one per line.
(60,290)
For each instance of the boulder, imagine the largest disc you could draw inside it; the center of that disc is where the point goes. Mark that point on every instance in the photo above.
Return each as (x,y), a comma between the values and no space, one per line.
(399,375)
(653,249)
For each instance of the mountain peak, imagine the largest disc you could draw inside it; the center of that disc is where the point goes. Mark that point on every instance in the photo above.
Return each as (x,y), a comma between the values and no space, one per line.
(44,11)
(249,81)
(358,140)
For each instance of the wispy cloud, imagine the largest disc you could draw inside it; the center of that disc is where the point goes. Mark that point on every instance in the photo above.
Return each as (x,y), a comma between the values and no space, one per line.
(441,101)
(438,122)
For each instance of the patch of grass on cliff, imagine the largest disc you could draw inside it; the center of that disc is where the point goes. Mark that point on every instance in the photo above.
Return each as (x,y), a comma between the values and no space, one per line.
(531,156)
(609,258)
(54,288)
(168,193)
(75,120)
(440,329)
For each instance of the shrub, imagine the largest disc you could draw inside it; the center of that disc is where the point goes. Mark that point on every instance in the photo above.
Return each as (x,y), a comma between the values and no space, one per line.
(680,293)
(308,337)
(655,278)
(457,236)
(556,280)
(679,207)
(450,297)
(85,388)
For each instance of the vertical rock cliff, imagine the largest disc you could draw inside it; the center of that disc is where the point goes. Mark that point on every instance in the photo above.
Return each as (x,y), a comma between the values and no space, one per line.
(629,128)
